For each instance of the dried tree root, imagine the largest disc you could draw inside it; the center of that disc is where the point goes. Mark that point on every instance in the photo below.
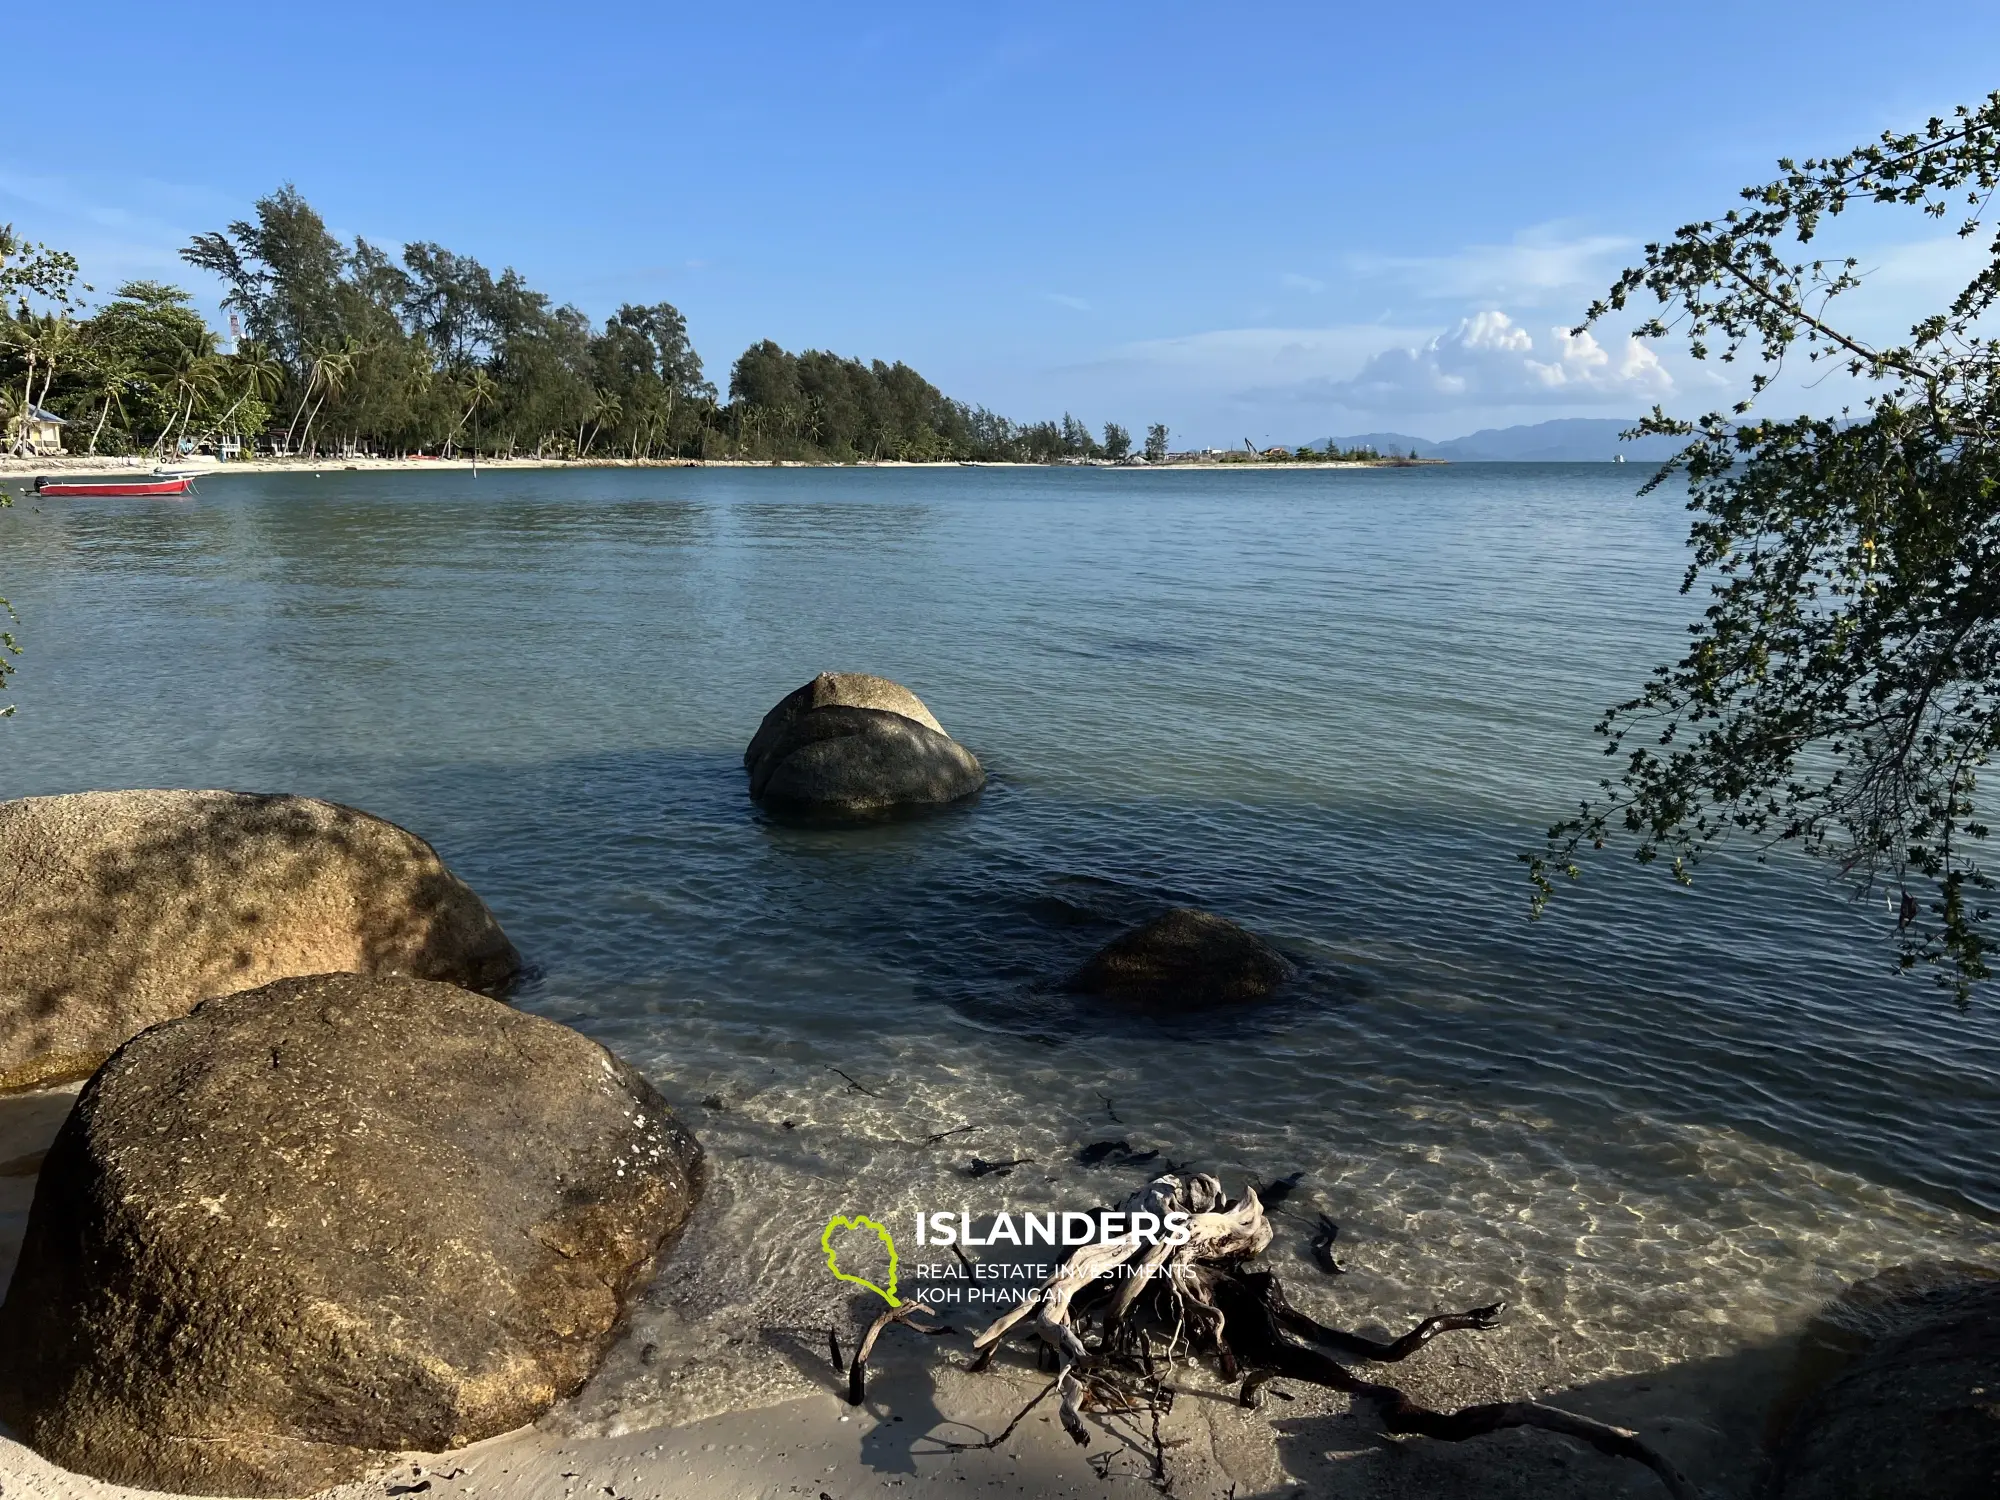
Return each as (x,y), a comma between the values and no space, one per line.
(1267,1288)
(1199,1296)
(857,1372)
(1004,1433)
(1217,1230)
(1262,1319)
(1401,1414)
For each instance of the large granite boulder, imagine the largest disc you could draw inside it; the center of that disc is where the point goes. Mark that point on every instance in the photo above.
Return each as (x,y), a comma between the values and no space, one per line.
(122,909)
(335,1218)
(1183,960)
(847,744)
(1900,1381)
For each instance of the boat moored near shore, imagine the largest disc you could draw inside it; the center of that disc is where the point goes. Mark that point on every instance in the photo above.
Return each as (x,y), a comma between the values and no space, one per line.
(159,485)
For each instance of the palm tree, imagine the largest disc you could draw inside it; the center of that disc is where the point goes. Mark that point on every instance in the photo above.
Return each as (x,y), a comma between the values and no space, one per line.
(480,391)
(605,409)
(189,375)
(113,382)
(322,360)
(256,376)
(45,340)
(332,368)
(262,376)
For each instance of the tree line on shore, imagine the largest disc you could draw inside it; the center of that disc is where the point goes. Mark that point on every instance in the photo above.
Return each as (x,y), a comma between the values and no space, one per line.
(348,349)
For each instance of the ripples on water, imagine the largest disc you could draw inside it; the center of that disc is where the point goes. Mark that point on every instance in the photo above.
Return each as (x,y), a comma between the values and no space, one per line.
(1332,705)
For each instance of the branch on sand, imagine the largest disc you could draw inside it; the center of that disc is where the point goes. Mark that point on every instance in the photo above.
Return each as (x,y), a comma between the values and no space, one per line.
(1115,1316)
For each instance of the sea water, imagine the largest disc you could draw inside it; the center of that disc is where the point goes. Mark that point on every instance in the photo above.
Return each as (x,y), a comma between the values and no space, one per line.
(1331,705)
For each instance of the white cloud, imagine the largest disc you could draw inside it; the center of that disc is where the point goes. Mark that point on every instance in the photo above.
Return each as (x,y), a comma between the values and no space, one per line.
(1063,299)
(1294,282)
(1490,360)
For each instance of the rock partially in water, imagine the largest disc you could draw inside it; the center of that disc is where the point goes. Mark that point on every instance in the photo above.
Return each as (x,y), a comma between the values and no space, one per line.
(1184,960)
(848,744)
(119,910)
(836,690)
(324,1221)
(1899,1391)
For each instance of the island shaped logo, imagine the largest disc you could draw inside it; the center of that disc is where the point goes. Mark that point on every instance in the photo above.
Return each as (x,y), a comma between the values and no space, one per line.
(863,1222)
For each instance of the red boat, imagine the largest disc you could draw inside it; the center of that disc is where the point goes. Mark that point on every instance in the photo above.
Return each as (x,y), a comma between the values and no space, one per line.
(151,484)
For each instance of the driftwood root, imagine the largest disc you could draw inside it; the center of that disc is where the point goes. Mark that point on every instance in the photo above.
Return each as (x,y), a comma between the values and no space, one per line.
(1113,1314)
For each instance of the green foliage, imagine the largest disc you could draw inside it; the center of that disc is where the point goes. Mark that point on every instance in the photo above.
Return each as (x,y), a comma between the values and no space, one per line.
(140,373)
(436,352)
(1156,443)
(1841,692)
(29,269)
(351,349)
(37,344)
(1305,453)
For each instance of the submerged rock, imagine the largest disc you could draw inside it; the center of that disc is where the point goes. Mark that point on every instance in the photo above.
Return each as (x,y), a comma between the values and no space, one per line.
(122,909)
(1184,960)
(848,744)
(1906,1367)
(329,1220)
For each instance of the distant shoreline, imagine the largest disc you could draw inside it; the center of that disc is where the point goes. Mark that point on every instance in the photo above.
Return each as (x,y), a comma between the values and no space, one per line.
(71,464)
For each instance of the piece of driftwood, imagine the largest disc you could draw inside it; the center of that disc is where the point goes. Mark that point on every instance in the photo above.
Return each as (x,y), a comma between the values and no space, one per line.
(1116,1316)
(911,1314)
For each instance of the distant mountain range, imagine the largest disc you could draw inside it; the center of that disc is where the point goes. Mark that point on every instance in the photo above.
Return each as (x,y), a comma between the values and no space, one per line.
(1565,440)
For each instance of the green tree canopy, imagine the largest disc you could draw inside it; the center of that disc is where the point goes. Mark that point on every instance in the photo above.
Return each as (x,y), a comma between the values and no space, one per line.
(1841,691)
(354,348)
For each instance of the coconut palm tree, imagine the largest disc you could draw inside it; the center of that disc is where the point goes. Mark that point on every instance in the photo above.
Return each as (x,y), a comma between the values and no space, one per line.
(112,383)
(480,391)
(254,374)
(46,341)
(189,376)
(333,368)
(605,411)
(323,360)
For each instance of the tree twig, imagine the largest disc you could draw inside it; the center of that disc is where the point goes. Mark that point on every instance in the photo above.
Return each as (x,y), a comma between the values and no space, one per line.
(851,1083)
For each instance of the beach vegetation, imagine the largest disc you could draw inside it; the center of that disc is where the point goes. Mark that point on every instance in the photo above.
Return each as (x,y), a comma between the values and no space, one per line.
(1840,692)
(352,350)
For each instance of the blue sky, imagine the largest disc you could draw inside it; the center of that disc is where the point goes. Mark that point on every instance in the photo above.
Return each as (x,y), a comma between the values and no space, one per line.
(1273,221)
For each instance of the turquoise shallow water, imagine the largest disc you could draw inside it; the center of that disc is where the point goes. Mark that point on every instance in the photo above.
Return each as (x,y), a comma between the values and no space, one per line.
(1332,705)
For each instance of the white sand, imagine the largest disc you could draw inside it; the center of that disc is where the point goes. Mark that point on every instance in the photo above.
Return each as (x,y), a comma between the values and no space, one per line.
(27,468)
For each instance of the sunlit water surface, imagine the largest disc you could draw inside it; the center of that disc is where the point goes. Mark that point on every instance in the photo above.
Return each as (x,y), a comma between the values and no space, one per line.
(1331,705)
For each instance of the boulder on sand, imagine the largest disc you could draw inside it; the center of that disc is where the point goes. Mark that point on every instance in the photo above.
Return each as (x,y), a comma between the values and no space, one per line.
(1902,1391)
(122,909)
(329,1220)
(1184,960)
(847,744)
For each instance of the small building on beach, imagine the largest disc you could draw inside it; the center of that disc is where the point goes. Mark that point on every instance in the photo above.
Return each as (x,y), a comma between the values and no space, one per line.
(44,433)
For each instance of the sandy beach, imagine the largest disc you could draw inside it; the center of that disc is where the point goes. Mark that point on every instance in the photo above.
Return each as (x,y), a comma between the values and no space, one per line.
(28,468)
